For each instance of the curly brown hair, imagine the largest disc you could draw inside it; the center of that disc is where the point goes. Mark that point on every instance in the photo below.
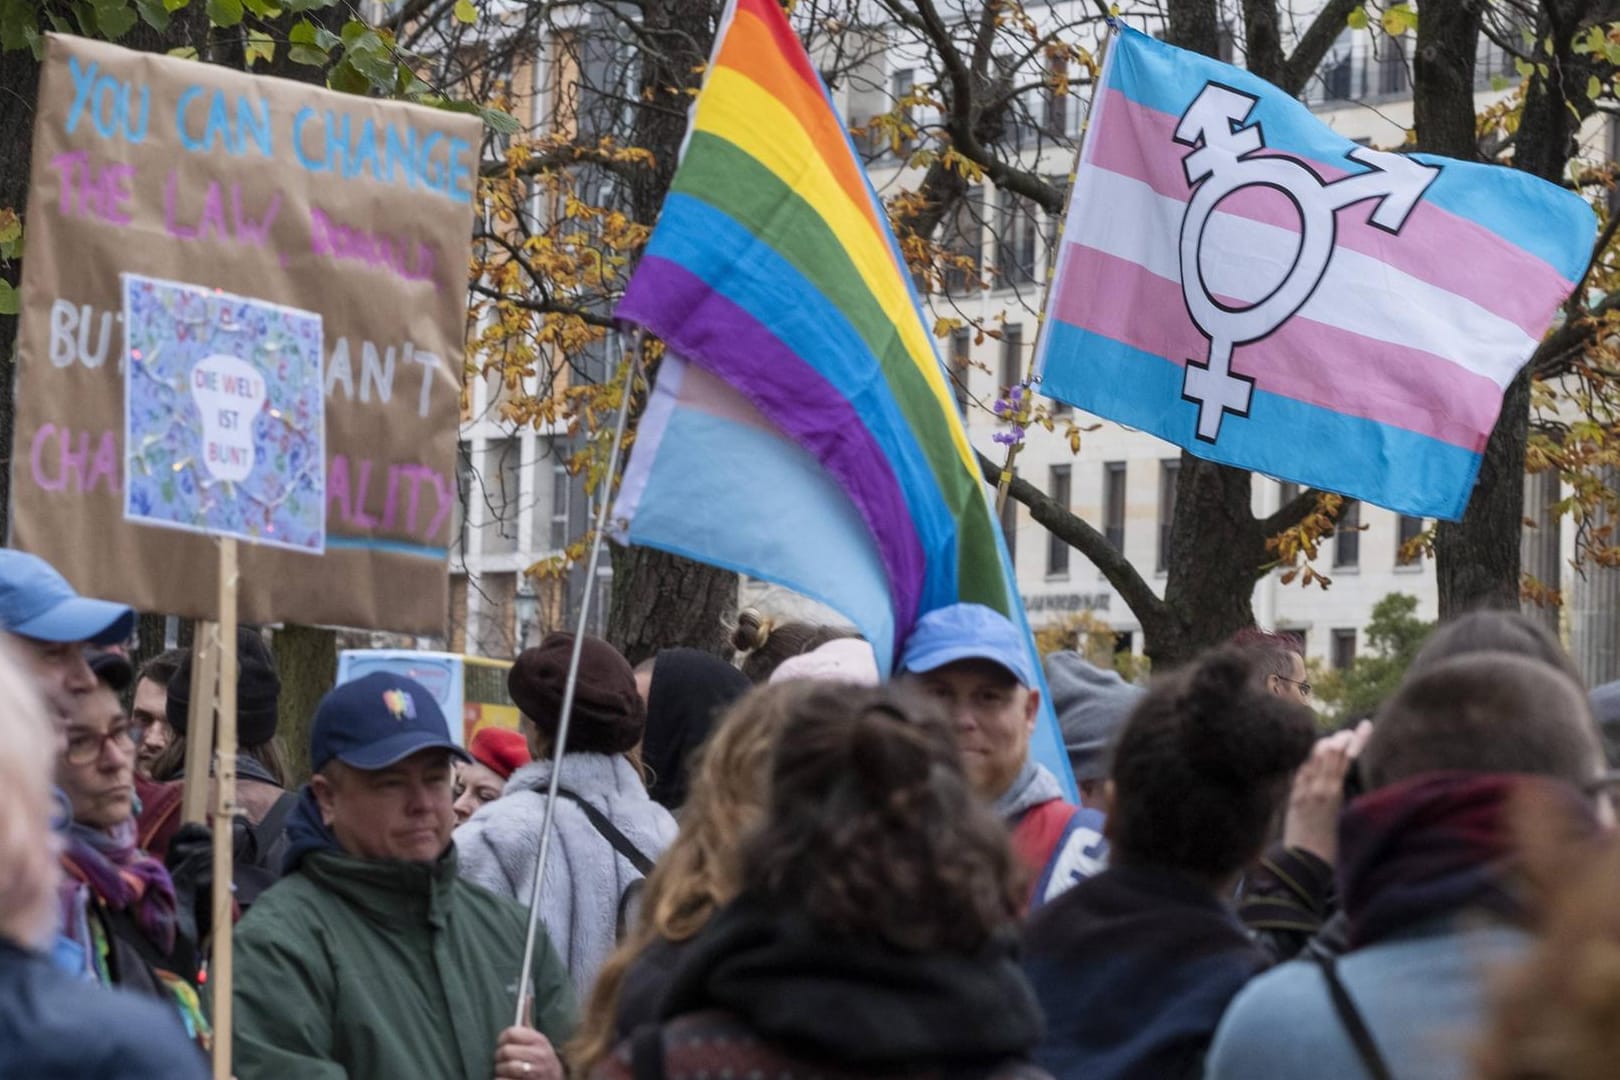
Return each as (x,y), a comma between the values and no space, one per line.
(872,828)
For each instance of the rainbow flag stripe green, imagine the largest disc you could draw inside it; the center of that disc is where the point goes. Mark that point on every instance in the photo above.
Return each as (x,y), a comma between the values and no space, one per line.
(772,266)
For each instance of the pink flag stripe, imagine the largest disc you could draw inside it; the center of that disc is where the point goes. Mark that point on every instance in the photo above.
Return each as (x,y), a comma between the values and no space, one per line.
(1138,141)
(1304,360)
(713,395)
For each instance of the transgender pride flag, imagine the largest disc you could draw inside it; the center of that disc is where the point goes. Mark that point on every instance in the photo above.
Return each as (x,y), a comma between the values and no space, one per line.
(1238,279)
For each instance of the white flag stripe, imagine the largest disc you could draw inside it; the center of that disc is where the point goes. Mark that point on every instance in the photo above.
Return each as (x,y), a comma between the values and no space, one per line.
(1128,219)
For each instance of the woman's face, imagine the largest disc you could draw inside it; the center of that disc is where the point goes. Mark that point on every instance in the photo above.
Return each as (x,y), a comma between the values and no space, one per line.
(475,785)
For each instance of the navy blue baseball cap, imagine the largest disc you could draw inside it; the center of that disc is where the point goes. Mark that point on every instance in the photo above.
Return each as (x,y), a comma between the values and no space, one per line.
(968,632)
(376,721)
(37,602)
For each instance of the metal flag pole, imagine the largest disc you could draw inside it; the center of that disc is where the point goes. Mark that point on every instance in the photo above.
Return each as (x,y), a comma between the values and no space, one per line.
(1020,417)
(561,743)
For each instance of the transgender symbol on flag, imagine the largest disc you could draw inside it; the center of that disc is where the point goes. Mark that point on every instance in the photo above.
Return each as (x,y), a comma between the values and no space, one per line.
(1227,159)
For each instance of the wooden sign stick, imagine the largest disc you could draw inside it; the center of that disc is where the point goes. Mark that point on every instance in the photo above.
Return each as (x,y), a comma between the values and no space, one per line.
(200,724)
(219,972)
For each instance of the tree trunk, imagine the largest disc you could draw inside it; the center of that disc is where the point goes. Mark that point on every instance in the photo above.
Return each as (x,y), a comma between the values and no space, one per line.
(306,658)
(661,600)
(1216,551)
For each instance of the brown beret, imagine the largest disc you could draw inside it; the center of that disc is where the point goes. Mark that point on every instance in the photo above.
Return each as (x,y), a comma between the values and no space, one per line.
(609,716)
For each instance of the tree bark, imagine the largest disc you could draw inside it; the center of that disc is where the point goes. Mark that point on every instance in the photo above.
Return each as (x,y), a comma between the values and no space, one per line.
(660,600)
(306,659)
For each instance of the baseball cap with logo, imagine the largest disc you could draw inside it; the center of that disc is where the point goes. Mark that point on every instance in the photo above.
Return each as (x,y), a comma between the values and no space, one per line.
(968,632)
(376,721)
(37,602)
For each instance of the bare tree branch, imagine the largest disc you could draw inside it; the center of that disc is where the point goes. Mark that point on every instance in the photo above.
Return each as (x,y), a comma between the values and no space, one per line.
(1074,531)
(1314,44)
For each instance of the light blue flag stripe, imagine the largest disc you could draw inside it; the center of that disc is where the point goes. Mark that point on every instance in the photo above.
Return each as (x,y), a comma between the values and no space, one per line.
(1292,440)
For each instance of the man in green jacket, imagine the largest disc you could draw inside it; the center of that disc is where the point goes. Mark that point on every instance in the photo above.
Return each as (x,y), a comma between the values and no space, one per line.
(372,959)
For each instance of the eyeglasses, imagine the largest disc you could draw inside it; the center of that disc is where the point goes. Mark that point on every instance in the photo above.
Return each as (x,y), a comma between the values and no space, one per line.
(1303,684)
(85,747)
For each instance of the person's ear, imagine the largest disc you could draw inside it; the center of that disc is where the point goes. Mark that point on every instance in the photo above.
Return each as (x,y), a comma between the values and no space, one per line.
(1108,798)
(322,788)
(1032,709)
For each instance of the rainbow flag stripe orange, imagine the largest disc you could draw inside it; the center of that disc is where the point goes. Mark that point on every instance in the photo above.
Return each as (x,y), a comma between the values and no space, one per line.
(772,267)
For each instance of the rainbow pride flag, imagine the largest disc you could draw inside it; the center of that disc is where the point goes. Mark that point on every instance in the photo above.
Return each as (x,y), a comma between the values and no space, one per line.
(802,430)
(772,267)
(1239,279)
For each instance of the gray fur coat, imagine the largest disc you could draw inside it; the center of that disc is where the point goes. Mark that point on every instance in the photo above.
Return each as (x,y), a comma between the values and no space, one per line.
(579,901)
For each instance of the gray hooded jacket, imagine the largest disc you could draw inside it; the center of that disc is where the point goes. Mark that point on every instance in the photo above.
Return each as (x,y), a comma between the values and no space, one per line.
(579,901)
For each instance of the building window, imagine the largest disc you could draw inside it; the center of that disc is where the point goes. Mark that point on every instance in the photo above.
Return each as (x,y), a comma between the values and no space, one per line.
(961,362)
(1012,356)
(1392,72)
(1009,528)
(1057,93)
(1057,551)
(961,243)
(1407,529)
(1169,474)
(901,84)
(1347,535)
(1114,504)
(502,472)
(1124,643)
(1054,223)
(1338,69)
(1017,230)
(560,496)
(1344,649)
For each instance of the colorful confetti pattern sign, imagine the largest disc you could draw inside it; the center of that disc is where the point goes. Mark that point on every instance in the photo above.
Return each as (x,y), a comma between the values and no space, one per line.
(224,423)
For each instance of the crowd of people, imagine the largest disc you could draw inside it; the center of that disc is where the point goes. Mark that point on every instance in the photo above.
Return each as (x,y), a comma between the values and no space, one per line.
(785,866)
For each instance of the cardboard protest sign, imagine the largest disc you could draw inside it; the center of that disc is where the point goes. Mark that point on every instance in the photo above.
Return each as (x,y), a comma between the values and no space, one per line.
(289,198)
(224,419)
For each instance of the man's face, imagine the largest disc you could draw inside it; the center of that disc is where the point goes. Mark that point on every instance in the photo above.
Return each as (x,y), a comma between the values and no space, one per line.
(994,716)
(1294,687)
(402,812)
(152,718)
(97,767)
(59,667)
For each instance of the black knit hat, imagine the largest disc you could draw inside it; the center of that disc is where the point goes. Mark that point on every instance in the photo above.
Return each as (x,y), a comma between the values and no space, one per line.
(609,716)
(258,689)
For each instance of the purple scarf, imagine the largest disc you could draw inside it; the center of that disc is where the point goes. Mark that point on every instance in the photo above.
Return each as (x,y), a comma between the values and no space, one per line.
(103,866)
(1434,845)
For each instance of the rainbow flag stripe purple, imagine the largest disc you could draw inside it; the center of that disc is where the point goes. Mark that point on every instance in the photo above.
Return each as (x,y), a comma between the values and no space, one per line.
(1420,285)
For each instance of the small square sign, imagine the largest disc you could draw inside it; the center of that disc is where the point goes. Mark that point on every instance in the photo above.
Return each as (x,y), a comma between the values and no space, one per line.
(224,416)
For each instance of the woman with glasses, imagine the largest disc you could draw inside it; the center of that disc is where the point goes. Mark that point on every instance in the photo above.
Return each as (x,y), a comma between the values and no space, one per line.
(120,922)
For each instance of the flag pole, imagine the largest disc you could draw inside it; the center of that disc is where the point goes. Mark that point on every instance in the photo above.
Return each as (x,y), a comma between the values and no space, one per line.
(1020,417)
(561,744)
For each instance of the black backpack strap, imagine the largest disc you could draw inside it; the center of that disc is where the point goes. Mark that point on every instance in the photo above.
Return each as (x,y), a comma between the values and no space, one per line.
(1354,1025)
(647,1053)
(274,822)
(610,833)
